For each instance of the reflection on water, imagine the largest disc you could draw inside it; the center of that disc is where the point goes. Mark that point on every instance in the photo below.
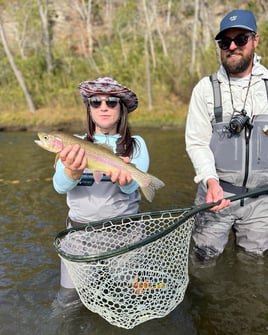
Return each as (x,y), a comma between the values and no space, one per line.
(229,298)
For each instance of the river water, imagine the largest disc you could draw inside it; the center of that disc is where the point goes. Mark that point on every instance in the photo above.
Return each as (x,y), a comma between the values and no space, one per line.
(230,297)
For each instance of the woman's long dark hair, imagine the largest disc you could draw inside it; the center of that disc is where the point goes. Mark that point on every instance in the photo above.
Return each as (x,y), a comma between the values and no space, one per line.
(126,144)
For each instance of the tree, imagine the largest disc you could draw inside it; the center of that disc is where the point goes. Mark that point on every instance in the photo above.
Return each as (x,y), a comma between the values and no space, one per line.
(43,11)
(194,36)
(156,20)
(148,30)
(22,16)
(84,8)
(148,72)
(15,69)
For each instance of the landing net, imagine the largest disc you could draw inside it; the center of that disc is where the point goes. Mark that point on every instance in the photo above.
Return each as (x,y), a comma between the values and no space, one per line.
(129,269)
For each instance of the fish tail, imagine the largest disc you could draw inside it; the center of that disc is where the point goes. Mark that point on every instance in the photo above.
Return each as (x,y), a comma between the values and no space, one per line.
(149,190)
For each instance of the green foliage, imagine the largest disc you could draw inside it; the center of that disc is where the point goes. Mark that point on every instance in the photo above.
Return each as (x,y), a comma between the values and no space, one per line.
(262,48)
(118,51)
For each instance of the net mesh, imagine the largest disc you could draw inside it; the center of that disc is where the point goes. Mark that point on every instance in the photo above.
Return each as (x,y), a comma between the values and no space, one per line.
(129,270)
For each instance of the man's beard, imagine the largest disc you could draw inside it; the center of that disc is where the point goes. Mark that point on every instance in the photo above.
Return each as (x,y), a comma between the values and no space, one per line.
(238,67)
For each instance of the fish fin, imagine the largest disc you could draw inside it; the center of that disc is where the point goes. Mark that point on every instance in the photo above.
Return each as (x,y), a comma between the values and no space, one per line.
(149,190)
(57,157)
(97,176)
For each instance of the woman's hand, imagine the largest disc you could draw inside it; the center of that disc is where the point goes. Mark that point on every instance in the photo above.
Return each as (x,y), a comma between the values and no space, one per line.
(74,160)
(120,176)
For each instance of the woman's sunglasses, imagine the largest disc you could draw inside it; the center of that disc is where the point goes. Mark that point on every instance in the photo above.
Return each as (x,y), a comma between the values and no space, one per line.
(111,102)
(240,40)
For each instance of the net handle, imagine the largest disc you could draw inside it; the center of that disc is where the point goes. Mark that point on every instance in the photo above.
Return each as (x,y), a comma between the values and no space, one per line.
(194,210)
(250,194)
(178,222)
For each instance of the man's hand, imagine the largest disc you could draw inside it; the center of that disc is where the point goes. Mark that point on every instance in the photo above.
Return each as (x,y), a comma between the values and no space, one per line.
(214,194)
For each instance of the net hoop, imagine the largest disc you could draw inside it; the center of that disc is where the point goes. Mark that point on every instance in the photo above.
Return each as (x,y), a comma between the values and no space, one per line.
(179,216)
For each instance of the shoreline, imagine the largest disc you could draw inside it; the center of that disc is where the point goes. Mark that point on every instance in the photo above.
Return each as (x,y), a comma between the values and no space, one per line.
(6,129)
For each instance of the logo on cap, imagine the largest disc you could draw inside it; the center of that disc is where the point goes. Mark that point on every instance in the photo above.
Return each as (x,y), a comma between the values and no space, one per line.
(233,18)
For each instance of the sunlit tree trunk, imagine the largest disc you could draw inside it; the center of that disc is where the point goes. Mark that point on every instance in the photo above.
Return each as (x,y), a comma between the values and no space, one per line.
(16,71)
(168,13)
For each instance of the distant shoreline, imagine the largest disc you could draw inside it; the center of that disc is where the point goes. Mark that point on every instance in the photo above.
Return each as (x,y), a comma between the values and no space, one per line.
(74,120)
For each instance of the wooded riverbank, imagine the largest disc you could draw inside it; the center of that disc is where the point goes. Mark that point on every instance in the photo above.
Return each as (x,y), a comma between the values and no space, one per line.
(159,49)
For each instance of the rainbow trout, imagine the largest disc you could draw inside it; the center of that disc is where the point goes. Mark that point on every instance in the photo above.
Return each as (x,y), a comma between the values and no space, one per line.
(100,159)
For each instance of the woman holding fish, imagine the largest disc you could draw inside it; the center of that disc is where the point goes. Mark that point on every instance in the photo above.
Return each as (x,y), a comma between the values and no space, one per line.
(92,196)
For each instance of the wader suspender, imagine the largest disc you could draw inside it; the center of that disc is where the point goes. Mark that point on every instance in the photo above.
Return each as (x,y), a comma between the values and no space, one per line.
(217,96)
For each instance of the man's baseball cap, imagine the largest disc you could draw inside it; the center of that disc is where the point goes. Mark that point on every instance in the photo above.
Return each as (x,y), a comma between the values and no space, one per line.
(238,19)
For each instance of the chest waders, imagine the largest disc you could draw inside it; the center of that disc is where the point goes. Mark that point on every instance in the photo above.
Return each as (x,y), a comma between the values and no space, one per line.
(228,187)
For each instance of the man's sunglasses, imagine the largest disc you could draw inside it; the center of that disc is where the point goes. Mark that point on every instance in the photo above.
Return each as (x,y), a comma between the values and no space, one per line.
(240,40)
(111,102)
